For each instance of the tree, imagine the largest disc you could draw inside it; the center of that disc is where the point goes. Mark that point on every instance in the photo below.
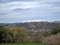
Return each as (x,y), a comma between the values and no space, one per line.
(5,35)
(20,34)
(56,30)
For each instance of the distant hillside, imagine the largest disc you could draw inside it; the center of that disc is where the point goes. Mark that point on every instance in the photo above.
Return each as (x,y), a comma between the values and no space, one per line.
(42,25)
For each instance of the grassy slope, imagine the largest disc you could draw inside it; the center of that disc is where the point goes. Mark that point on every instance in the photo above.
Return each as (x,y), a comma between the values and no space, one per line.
(23,44)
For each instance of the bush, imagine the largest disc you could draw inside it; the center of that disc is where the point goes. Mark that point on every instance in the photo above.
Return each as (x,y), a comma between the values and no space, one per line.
(52,40)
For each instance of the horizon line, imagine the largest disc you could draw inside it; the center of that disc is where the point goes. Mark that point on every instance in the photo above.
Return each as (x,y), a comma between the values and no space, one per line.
(33,21)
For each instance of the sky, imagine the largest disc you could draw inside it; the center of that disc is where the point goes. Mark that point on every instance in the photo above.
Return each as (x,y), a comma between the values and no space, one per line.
(24,10)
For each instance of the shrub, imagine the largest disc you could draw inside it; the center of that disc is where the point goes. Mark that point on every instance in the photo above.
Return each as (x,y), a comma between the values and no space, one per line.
(52,40)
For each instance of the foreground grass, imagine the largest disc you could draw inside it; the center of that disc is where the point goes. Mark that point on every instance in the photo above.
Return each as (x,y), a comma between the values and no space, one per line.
(22,44)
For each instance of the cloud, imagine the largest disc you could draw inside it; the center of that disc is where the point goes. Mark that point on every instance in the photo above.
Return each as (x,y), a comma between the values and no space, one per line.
(14,5)
(19,10)
(6,1)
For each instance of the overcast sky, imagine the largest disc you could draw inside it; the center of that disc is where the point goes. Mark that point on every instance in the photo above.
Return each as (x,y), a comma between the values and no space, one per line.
(24,10)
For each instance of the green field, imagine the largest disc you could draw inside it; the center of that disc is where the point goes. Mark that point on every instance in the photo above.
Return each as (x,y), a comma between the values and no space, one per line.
(22,44)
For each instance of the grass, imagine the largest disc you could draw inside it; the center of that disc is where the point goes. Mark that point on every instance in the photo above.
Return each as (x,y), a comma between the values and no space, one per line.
(22,44)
